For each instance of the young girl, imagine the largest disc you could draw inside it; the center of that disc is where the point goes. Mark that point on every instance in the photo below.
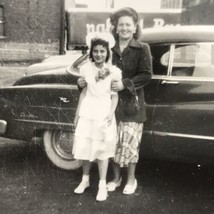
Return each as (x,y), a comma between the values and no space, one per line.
(96,131)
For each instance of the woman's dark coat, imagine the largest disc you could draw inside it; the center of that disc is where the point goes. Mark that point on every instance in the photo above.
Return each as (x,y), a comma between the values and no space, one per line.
(135,63)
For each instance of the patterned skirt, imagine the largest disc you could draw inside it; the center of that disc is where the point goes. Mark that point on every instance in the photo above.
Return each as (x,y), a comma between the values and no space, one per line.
(128,145)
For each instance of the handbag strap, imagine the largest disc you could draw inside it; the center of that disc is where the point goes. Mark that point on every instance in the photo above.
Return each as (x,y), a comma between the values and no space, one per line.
(130,86)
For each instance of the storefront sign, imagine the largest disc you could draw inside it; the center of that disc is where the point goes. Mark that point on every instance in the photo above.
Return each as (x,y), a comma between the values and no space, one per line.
(80,23)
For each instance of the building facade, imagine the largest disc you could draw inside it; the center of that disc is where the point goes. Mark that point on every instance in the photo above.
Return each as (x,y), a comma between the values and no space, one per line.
(30,29)
(198,12)
(139,5)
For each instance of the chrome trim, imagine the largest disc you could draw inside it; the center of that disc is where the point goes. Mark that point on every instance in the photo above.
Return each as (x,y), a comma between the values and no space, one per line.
(51,86)
(203,137)
(171,58)
(148,132)
(166,82)
(45,122)
(177,78)
(3,126)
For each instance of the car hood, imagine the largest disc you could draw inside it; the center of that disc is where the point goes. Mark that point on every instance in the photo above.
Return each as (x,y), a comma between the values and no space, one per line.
(52,64)
(55,70)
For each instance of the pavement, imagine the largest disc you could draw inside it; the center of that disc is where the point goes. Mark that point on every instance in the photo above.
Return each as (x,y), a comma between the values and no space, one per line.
(30,184)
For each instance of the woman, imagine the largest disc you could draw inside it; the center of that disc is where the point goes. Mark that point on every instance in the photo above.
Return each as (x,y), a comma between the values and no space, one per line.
(134,59)
(96,130)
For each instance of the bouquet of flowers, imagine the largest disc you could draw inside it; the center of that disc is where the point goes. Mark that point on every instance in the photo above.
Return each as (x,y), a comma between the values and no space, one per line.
(102,74)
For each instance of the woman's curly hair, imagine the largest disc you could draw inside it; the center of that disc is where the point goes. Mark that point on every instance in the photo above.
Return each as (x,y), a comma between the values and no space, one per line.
(126,11)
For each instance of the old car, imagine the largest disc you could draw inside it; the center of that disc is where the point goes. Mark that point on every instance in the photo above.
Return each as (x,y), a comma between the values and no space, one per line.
(179,99)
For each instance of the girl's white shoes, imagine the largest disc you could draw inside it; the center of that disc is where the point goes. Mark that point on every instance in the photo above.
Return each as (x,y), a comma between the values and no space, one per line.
(82,186)
(111,186)
(130,189)
(102,191)
(102,194)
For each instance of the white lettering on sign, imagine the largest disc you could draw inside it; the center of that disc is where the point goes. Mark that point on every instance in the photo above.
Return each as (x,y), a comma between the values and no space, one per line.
(106,27)
(161,23)
(158,22)
(99,27)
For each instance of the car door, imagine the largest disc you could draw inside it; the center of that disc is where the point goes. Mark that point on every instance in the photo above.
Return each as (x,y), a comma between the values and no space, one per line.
(184,112)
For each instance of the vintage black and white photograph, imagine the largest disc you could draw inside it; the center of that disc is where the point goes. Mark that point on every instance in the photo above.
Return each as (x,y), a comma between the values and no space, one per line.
(106,106)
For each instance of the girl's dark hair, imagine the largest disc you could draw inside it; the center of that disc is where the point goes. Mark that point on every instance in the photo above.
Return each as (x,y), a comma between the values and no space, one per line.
(98,41)
(126,11)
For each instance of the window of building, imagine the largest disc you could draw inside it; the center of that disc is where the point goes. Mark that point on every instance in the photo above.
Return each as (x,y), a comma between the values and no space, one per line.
(94,4)
(1,20)
(171,4)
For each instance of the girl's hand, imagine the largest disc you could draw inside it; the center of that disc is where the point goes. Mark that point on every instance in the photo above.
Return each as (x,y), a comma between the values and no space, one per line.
(117,85)
(109,119)
(82,82)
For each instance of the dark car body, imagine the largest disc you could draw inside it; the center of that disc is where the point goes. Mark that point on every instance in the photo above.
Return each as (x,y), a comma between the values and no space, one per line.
(179,99)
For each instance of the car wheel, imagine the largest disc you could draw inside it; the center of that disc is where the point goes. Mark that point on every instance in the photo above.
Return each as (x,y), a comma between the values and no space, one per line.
(58,147)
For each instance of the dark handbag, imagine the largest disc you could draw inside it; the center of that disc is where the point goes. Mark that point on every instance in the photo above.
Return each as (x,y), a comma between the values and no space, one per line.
(129,103)
(131,106)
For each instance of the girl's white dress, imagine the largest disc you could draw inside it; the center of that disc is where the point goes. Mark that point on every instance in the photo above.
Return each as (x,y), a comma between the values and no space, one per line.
(93,138)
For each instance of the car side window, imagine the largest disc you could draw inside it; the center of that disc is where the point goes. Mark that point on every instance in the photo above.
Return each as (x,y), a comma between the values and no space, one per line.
(193,60)
(160,59)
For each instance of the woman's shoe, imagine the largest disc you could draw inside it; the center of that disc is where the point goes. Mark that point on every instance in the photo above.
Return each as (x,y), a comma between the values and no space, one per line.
(102,194)
(82,186)
(111,186)
(130,189)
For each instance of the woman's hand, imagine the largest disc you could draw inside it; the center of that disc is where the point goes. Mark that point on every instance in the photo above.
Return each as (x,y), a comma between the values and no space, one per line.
(82,82)
(117,85)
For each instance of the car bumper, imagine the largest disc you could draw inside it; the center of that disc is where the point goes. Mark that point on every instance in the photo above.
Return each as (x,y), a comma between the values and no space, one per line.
(3,126)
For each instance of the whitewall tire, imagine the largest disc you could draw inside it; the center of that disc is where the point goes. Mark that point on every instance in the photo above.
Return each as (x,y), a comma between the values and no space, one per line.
(58,147)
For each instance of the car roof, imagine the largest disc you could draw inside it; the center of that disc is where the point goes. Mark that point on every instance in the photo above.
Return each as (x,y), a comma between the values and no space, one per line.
(171,34)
